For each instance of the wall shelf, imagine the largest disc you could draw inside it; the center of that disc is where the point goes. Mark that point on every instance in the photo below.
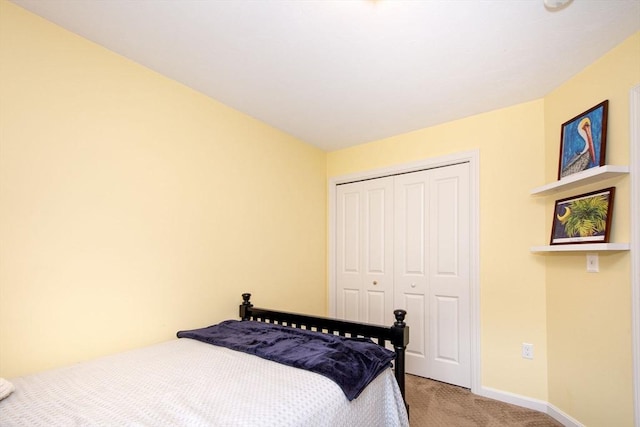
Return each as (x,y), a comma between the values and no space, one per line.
(573,181)
(581,178)
(584,247)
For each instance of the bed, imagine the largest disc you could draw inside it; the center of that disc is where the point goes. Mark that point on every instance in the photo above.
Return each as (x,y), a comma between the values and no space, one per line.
(188,381)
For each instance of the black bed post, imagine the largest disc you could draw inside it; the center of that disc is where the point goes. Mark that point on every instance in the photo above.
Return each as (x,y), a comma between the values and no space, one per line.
(245,307)
(400,342)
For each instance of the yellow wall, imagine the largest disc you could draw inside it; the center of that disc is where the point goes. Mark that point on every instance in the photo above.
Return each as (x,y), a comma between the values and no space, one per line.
(589,315)
(588,324)
(132,206)
(511,279)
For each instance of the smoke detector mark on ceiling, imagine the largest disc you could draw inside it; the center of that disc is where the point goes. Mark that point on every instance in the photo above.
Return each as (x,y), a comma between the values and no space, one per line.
(555,5)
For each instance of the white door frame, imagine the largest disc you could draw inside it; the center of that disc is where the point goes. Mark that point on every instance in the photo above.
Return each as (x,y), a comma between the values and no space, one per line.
(634,168)
(473,158)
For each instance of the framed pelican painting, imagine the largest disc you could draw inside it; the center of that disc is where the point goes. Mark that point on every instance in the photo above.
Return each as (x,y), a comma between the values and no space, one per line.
(583,219)
(583,141)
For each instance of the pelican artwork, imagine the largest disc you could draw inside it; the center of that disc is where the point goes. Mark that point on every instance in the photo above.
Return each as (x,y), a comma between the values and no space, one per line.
(588,154)
(584,129)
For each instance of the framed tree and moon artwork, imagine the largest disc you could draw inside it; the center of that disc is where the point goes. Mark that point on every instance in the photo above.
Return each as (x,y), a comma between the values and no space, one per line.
(583,141)
(585,218)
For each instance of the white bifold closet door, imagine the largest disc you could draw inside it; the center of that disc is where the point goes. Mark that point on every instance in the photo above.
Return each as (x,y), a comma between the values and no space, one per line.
(365,251)
(403,242)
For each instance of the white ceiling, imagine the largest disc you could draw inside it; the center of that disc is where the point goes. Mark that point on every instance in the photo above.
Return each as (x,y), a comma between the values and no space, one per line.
(340,73)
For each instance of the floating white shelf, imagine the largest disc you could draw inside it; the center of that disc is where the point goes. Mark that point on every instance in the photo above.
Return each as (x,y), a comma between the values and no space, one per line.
(584,247)
(581,178)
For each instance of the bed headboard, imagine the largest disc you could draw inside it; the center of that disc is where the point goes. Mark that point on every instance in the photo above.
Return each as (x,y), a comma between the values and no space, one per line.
(397,334)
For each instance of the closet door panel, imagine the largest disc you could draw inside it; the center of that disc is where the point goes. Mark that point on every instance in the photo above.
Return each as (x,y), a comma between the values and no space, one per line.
(375,306)
(350,304)
(446,347)
(410,278)
(449,328)
(364,252)
(351,233)
(348,250)
(376,231)
(416,354)
(378,250)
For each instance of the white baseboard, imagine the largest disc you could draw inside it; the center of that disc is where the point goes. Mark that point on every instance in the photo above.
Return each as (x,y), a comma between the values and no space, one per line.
(514,399)
(561,417)
(529,403)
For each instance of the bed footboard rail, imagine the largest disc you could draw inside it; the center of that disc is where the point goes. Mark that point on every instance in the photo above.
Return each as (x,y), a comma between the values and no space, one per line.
(397,334)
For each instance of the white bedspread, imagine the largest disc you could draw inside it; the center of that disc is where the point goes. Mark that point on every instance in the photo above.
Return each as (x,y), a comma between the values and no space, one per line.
(188,383)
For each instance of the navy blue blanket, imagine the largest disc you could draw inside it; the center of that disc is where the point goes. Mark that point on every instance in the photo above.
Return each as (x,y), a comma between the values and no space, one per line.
(351,362)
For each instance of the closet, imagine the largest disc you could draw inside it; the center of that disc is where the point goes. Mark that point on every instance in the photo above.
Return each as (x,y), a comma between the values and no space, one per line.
(403,241)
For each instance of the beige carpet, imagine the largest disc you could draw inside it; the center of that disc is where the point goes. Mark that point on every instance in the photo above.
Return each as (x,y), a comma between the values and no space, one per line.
(432,403)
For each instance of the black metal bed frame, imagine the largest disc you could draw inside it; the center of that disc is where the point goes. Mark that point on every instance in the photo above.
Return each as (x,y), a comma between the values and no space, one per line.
(397,334)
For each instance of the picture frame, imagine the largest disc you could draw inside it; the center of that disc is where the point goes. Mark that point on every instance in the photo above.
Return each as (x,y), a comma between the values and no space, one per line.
(583,141)
(585,218)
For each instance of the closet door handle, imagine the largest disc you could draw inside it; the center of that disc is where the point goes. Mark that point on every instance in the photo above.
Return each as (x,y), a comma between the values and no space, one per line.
(413,285)
(375,282)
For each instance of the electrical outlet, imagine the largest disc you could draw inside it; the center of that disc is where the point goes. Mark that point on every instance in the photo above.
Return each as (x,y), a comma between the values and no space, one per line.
(527,350)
